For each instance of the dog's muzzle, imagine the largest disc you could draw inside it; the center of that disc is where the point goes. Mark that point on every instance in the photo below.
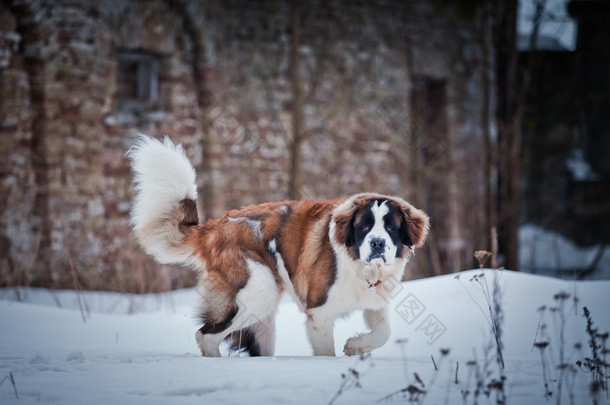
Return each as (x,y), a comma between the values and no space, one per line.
(377,249)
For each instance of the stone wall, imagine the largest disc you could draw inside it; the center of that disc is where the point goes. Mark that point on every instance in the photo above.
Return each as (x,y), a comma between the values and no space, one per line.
(224,91)
(66,219)
(19,237)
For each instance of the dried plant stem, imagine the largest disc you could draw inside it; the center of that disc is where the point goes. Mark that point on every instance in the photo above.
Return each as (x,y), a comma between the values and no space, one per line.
(352,377)
(547,393)
(11,378)
(535,336)
(82,305)
(493,313)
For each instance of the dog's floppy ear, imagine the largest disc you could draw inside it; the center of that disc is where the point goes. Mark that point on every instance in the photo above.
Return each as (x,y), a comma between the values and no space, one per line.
(414,226)
(344,219)
(349,242)
(405,239)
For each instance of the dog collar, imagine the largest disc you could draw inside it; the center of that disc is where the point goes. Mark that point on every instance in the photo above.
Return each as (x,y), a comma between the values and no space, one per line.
(373,286)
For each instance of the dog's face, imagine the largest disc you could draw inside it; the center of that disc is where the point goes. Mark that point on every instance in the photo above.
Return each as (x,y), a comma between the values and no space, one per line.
(376,234)
(377,230)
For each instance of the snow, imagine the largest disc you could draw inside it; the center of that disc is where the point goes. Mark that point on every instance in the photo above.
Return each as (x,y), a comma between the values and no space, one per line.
(141,349)
(557,30)
(549,253)
(579,168)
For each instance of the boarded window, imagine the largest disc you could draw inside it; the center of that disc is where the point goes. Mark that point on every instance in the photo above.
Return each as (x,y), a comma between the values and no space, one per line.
(137,80)
(429,109)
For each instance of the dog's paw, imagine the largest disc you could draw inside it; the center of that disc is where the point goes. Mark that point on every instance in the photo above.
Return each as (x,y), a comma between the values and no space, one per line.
(353,347)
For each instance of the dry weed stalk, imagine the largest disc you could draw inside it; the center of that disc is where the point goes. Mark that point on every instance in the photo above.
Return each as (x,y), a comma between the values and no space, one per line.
(416,390)
(11,379)
(565,374)
(596,364)
(351,379)
(482,256)
(494,316)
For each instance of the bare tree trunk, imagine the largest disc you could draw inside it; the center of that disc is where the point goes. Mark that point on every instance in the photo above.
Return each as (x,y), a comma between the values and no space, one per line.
(296,159)
(489,151)
(512,96)
(509,134)
(211,197)
(433,148)
(510,195)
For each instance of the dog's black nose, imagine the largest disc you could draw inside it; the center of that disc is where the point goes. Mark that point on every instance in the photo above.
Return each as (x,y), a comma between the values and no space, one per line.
(378,244)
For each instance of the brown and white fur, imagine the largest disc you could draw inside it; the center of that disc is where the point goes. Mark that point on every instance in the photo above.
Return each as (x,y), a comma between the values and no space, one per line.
(332,257)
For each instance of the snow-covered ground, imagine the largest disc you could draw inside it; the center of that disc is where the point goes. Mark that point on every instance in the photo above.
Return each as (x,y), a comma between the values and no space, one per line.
(92,347)
(549,253)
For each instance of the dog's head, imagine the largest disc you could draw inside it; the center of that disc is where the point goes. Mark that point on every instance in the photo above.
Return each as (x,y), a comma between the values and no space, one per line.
(378,229)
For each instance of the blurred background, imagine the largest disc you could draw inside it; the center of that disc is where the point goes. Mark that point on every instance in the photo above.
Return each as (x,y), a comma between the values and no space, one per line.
(492,116)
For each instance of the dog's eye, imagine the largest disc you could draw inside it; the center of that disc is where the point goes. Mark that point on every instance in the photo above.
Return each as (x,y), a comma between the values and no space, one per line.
(365,228)
(389,228)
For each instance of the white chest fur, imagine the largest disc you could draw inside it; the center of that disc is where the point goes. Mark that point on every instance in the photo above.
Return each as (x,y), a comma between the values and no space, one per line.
(352,291)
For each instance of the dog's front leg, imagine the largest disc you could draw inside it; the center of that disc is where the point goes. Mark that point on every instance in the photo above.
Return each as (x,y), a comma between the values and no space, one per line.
(320,333)
(379,323)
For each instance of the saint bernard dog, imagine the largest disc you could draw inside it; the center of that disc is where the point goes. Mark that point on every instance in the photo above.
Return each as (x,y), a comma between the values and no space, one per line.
(332,257)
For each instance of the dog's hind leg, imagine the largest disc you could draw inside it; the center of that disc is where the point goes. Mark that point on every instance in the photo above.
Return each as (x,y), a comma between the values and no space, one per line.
(209,336)
(264,333)
(257,339)
(255,304)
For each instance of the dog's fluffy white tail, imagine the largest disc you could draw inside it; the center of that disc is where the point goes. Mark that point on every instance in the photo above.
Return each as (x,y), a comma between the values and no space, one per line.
(165,206)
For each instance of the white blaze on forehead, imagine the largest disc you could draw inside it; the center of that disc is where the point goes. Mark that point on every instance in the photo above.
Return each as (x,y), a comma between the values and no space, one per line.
(379,210)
